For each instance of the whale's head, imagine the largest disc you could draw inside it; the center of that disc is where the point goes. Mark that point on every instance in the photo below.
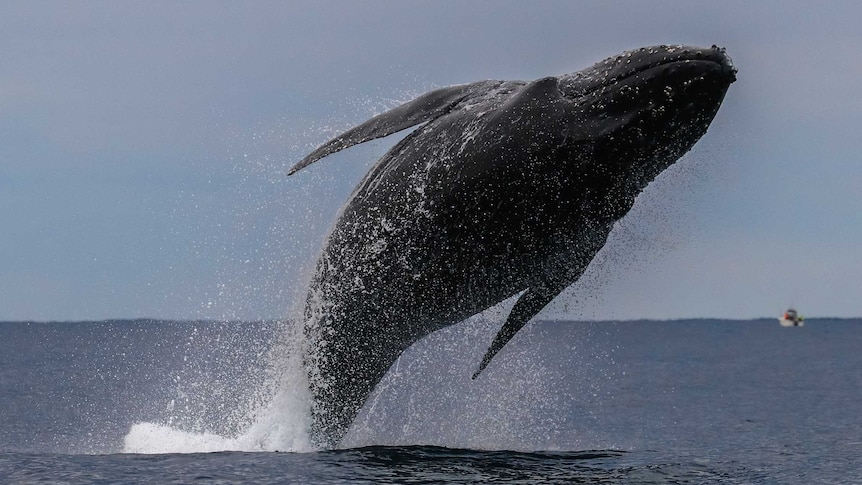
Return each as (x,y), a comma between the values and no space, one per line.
(646,108)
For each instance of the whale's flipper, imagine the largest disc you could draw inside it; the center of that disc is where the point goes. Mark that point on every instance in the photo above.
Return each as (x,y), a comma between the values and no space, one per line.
(527,306)
(426,107)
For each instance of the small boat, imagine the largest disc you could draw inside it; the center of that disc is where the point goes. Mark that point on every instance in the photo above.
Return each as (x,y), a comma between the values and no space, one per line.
(791,319)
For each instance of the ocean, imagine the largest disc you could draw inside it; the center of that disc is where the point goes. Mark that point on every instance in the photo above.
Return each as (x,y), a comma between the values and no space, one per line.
(686,401)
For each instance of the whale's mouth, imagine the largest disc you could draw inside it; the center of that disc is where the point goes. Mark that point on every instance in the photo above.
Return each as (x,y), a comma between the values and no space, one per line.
(646,63)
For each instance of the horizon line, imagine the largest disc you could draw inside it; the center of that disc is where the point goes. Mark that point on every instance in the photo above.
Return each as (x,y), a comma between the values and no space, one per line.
(284,320)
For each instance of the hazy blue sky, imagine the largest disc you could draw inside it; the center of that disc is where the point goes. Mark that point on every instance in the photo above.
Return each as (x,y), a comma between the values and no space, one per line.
(143,149)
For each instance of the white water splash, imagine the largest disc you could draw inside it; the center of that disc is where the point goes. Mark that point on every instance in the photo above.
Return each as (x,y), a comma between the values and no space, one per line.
(277,414)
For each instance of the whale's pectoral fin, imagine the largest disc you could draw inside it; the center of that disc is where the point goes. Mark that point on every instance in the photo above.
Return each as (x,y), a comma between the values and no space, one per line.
(527,306)
(426,107)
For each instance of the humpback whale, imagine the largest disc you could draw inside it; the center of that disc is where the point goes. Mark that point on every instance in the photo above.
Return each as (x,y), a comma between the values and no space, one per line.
(506,188)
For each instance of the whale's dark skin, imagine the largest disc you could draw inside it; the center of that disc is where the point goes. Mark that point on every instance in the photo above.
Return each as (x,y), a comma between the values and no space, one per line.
(508,187)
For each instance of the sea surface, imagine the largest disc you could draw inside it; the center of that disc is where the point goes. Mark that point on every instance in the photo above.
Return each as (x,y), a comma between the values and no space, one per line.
(693,401)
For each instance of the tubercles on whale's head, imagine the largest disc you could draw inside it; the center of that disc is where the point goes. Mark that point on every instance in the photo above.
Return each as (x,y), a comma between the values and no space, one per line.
(638,63)
(646,108)
(665,86)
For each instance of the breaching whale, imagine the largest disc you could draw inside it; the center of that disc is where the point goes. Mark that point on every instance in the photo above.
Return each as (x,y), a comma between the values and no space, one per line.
(508,187)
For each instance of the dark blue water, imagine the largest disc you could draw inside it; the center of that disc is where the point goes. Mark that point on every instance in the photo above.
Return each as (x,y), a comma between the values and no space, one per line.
(611,402)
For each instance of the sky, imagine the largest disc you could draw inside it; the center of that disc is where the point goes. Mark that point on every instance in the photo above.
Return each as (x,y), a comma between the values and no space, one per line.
(144,149)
